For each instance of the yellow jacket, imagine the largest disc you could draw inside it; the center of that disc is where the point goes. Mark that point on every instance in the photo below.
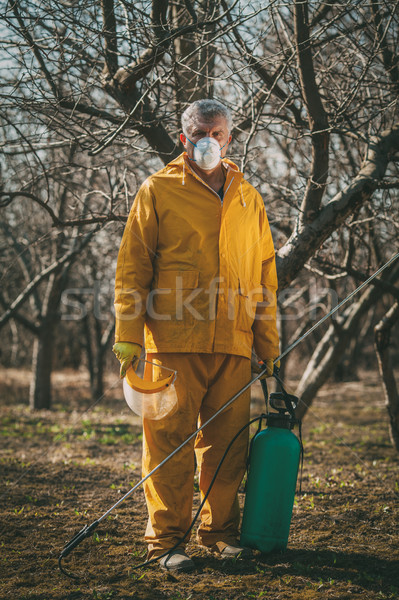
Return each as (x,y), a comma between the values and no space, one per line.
(192,272)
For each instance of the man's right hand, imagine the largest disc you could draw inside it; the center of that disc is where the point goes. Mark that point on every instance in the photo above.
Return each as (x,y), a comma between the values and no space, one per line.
(126,353)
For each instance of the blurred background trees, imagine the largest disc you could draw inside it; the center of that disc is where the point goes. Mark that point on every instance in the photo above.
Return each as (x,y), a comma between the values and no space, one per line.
(91,98)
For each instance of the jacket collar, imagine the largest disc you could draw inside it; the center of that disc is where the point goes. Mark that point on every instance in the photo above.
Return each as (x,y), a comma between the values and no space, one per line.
(233,179)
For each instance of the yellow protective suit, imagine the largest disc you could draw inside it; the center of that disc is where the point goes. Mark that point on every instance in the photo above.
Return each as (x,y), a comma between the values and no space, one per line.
(198,277)
(193,272)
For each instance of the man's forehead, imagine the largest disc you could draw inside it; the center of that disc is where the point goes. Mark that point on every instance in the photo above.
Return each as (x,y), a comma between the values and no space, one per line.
(217,122)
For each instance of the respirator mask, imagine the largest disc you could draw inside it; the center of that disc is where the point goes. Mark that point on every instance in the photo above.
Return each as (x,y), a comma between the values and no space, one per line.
(207,153)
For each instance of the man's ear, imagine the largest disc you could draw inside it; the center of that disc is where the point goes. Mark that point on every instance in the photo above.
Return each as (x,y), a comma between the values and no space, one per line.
(183,139)
(225,147)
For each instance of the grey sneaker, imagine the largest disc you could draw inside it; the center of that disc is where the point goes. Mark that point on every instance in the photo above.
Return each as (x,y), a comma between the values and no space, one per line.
(176,561)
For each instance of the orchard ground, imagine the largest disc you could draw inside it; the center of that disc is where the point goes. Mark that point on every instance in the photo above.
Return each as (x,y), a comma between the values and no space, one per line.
(62,469)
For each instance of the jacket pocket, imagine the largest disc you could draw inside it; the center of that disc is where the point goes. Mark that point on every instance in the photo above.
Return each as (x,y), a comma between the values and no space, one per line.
(250,290)
(246,300)
(170,299)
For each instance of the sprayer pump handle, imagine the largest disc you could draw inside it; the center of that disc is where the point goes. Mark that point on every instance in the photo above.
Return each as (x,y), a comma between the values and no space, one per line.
(290,401)
(283,402)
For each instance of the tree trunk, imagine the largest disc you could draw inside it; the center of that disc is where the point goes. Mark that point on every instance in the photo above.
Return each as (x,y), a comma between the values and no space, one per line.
(98,387)
(283,338)
(40,388)
(103,340)
(382,334)
(87,345)
(96,343)
(43,348)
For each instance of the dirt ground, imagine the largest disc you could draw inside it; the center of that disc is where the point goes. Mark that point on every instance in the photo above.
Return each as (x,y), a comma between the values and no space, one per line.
(64,468)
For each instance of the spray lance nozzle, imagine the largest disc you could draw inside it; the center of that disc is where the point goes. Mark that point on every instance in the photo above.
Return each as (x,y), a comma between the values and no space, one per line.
(79,537)
(75,541)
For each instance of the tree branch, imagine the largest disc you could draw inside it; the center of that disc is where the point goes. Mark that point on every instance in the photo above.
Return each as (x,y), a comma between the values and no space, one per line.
(269,80)
(35,50)
(190,10)
(335,341)
(57,222)
(30,325)
(43,275)
(322,12)
(390,59)
(317,116)
(360,276)
(110,40)
(309,237)
(124,79)
(27,323)
(91,111)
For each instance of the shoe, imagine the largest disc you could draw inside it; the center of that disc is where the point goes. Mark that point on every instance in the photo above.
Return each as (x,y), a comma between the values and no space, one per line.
(177,561)
(230,551)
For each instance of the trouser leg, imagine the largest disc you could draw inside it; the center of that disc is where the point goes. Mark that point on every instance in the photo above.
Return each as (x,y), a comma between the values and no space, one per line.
(220,516)
(169,492)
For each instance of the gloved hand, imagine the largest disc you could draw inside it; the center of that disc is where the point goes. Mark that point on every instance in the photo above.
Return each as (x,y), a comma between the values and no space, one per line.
(126,353)
(269,364)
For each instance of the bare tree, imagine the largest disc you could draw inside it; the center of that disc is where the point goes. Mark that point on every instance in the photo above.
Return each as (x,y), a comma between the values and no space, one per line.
(313,90)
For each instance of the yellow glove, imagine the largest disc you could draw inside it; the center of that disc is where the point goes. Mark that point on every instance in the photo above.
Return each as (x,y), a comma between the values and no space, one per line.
(127,353)
(269,364)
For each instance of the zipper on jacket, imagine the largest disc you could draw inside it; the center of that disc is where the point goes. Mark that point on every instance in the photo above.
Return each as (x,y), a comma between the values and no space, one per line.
(243,203)
(208,186)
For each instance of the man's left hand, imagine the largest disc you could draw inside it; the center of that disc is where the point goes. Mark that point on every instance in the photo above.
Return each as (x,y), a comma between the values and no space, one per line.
(269,364)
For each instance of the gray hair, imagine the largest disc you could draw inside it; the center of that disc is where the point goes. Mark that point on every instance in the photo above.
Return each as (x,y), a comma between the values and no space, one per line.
(208,109)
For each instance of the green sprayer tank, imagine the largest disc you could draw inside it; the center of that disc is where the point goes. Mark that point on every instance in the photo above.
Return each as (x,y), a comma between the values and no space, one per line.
(272,476)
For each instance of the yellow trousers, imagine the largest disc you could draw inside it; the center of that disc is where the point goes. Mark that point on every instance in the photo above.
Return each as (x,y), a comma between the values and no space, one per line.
(204,383)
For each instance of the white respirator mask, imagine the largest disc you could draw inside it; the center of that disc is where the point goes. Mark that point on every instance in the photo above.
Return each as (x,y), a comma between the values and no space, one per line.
(207,153)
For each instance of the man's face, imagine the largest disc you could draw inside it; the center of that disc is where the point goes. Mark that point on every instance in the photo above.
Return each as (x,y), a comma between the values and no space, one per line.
(216,128)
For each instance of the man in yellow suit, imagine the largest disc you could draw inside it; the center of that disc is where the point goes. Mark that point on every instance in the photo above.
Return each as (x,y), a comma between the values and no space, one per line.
(196,274)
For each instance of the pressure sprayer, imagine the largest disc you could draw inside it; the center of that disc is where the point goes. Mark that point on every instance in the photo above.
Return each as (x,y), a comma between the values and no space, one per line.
(272,475)
(274,461)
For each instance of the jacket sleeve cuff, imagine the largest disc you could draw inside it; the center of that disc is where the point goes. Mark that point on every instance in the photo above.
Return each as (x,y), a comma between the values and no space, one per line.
(130,331)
